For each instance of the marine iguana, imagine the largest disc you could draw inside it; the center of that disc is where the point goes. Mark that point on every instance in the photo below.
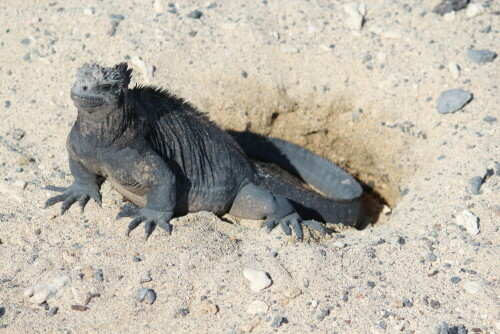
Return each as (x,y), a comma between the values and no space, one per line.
(165,156)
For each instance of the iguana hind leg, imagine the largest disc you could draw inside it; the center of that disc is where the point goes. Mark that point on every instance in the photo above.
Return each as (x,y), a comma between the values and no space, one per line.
(254,202)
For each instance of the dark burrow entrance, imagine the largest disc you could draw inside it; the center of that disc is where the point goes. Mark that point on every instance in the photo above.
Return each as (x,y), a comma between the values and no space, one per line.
(334,129)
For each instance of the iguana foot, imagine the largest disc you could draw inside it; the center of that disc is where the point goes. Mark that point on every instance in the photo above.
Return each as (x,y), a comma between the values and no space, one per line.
(295,222)
(150,218)
(72,194)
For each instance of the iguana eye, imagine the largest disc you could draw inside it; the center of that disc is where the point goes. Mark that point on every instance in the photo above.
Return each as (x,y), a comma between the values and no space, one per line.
(106,87)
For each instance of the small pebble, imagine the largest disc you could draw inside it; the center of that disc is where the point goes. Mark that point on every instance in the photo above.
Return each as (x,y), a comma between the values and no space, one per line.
(46,292)
(339,244)
(25,41)
(146,295)
(468,220)
(454,70)
(431,257)
(382,325)
(356,12)
(117,17)
(453,100)
(474,9)
(259,280)
(257,306)
(490,119)
(324,313)
(472,287)
(370,284)
(435,304)
(455,280)
(147,69)
(183,312)
(2,311)
(447,6)
(195,14)
(27,56)
(80,308)
(278,321)
(207,307)
(481,56)
(401,241)
(53,311)
(407,302)
(20,184)
(475,184)
(99,275)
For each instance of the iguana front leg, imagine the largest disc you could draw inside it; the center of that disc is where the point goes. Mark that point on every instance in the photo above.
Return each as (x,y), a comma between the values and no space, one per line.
(86,185)
(150,174)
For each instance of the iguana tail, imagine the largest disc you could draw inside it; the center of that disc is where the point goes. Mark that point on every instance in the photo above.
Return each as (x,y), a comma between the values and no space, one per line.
(342,203)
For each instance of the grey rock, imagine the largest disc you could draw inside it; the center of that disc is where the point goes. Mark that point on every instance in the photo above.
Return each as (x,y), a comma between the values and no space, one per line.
(27,56)
(453,100)
(431,257)
(146,295)
(490,119)
(445,328)
(455,280)
(475,184)
(278,321)
(183,312)
(382,325)
(25,41)
(370,284)
(407,302)
(447,6)
(481,56)
(195,14)
(435,304)
(2,311)
(53,311)
(117,17)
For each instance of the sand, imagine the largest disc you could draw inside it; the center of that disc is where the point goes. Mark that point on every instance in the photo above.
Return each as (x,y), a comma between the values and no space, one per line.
(364,98)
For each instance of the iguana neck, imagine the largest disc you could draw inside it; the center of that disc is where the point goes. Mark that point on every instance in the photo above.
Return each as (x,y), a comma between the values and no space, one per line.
(107,130)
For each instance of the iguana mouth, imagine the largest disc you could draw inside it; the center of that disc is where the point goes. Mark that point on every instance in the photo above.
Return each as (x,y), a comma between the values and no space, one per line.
(86,101)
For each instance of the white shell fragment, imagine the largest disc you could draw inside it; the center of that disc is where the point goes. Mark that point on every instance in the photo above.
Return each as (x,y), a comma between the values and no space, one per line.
(146,68)
(47,292)
(454,70)
(259,280)
(356,14)
(468,220)
(474,9)
(257,306)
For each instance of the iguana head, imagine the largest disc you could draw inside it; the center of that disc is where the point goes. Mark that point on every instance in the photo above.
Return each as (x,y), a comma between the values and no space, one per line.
(97,87)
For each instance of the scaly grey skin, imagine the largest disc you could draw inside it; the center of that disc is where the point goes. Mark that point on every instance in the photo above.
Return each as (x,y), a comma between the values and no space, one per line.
(163,155)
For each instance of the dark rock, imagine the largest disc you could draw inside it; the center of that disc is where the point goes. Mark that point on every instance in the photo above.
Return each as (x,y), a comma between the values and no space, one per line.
(195,14)
(455,280)
(25,41)
(192,33)
(445,328)
(382,325)
(2,311)
(401,241)
(27,56)
(7,104)
(183,312)
(481,56)
(447,6)
(278,321)
(453,100)
(370,284)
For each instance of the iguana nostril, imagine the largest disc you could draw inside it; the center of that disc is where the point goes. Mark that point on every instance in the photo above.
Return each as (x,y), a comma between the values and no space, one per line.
(85,88)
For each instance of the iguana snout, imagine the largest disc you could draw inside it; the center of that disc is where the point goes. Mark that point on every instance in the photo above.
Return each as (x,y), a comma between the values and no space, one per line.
(96,85)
